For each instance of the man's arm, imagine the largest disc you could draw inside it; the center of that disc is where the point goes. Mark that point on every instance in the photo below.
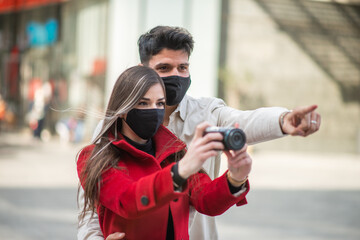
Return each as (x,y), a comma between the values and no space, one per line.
(89,226)
(260,125)
(268,123)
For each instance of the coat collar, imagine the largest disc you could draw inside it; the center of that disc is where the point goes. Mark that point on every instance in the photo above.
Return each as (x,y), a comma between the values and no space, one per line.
(181,108)
(166,143)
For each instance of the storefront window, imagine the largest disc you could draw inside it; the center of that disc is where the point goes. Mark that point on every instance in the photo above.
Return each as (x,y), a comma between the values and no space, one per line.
(51,60)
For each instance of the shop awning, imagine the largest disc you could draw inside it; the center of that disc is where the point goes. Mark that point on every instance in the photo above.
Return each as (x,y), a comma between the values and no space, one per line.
(18,5)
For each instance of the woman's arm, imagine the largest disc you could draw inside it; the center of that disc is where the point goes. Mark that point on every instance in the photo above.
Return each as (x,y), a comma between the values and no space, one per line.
(129,198)
(214,197)
(132,199)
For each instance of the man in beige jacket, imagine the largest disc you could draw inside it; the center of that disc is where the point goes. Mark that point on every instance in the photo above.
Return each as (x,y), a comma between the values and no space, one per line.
(167,51)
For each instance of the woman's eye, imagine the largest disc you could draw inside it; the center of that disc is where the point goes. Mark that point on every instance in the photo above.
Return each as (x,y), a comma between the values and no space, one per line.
(161,104)
(142,103)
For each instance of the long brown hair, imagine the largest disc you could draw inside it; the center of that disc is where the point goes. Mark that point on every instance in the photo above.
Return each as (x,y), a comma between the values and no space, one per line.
(129,88)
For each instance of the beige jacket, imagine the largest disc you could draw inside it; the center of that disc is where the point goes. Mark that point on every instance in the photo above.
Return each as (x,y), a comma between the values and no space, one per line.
(259,125)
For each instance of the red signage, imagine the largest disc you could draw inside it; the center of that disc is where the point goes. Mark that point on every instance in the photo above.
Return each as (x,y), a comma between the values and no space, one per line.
(17,5)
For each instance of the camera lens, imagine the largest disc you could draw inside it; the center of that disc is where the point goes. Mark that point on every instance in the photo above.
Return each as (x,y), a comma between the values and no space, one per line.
(235,139)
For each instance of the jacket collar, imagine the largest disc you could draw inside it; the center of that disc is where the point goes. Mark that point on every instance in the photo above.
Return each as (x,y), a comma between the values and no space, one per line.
(181,108)
(166,143)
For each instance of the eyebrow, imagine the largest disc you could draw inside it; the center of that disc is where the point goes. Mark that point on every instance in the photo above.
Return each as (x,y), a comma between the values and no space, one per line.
(148,99)
(166,64)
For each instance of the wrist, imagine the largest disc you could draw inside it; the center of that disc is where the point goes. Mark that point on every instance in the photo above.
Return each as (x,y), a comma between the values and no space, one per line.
(235,182)
(178,180)
(182,170)
(282,120)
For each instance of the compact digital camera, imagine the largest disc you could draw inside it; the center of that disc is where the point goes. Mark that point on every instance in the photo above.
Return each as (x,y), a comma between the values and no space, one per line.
(234,138)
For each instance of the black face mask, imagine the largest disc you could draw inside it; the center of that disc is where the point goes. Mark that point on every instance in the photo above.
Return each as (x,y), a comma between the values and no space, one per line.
(145,122)
(175,88)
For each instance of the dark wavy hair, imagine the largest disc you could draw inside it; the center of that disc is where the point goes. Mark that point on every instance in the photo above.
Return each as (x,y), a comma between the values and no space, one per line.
(160,37)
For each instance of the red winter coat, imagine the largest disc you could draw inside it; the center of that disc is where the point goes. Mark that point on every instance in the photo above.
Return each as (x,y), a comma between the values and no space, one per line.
(135,199)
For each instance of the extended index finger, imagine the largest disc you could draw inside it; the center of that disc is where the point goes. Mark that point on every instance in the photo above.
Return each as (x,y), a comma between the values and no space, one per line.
(304,110)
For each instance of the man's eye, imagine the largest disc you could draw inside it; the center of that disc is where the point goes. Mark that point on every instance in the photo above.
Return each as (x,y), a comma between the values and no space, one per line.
(183,68)
(162,68)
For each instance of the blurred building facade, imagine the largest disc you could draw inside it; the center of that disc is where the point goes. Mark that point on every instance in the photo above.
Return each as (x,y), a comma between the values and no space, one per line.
(79,48)
(252,53)
(53,56)
(291,53)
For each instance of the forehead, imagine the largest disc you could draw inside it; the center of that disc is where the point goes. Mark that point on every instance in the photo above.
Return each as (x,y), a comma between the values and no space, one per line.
(170,57)
(155,91)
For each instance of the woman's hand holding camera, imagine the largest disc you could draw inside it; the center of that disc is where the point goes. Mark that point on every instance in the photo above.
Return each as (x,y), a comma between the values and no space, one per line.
(201,148)
(239,165)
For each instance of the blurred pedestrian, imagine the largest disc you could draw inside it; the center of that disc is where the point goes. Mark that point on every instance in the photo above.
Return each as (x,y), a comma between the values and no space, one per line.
(2,112)
(139,176)
(40,96)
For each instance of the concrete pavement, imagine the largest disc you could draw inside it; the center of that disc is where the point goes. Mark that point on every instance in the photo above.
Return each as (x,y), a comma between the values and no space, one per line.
(293,195)
(38,185)
(298,196)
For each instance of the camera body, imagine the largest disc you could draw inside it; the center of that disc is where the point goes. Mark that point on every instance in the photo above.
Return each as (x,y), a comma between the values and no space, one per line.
(234,138)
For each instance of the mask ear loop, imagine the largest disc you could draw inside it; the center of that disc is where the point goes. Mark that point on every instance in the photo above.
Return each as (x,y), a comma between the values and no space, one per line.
(116,126)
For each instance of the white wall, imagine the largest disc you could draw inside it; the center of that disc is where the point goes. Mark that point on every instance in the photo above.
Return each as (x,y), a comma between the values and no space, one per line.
(128,19)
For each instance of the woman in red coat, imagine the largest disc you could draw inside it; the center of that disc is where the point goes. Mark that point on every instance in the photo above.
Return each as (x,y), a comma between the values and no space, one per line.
(137,174)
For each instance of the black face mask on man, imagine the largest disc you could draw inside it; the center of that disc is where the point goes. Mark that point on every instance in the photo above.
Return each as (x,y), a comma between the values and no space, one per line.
(175,87)
(145,122)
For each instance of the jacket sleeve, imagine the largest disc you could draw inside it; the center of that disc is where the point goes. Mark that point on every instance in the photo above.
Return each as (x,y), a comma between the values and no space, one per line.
(213,197)
(128,198)
(260,125)
(131,199)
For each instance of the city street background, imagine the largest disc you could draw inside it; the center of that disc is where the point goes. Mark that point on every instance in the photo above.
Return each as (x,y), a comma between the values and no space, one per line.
(59,60)
(293,195)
